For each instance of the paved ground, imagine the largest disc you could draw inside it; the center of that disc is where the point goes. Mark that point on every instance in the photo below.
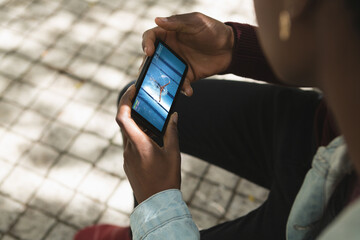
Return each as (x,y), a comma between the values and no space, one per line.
(62,64)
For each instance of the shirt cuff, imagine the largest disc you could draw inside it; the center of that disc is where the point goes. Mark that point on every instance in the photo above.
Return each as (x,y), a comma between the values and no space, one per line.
(156,211)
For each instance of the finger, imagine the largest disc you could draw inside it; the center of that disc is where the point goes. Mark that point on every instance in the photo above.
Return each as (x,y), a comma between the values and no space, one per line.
(126,100)
(187,90)
(149,37)
(125,139)
(185,23)
(171,140)
(142,63)
(123,118)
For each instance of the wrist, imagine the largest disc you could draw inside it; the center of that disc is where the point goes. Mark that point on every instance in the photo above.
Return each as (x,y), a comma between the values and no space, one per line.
(228,47)
(148,192)
(230,38)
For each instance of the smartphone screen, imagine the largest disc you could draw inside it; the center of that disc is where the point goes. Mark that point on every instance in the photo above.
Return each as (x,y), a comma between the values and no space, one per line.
(159,87)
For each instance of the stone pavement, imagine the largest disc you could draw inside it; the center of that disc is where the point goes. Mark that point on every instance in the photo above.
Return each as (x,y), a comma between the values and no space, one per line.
(62,64)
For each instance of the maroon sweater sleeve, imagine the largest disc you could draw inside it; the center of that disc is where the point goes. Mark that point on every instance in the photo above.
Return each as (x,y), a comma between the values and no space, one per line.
(248,59)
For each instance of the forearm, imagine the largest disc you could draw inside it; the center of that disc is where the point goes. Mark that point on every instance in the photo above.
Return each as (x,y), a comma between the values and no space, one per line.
(248,59)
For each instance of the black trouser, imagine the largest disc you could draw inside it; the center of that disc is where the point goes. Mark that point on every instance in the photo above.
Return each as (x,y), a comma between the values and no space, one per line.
(263,133)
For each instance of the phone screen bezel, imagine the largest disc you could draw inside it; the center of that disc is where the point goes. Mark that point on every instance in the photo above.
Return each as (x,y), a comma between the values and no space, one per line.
(146,126)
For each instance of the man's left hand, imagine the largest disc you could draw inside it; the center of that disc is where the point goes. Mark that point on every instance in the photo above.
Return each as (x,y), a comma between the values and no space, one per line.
(150,168)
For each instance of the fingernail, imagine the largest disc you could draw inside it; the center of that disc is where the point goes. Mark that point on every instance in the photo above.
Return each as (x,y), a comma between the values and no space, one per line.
(175,117)
(145,50)
(164,19)
(183,92)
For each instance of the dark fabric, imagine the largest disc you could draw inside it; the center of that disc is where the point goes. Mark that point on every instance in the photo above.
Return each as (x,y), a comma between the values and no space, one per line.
(325,127)
(261,132)
(248,59)
(355,190)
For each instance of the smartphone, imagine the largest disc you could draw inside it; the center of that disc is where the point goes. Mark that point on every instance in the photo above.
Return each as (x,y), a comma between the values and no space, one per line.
(157,89)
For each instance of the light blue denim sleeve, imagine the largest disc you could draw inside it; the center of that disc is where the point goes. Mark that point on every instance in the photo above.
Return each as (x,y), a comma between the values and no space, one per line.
(163,216)
(345,226)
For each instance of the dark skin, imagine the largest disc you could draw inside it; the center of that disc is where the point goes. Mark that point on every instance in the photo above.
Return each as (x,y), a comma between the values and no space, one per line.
(188,35)
(323,51)
(151,169)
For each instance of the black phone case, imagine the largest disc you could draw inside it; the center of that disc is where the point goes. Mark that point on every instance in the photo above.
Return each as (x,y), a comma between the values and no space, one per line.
(146,126)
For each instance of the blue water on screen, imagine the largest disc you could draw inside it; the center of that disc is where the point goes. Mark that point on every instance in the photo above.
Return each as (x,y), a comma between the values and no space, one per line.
(159,87)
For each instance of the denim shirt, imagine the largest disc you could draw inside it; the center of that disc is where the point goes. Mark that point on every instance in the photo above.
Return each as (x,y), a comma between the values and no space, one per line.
(163,216)
(166,216)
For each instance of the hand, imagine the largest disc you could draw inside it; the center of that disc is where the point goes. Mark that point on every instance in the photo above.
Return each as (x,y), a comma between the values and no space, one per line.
(150,169)
(205,44)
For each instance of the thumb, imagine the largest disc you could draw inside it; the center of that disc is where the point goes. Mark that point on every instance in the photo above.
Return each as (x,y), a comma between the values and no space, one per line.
(169,23)
(171,139)
(180,23)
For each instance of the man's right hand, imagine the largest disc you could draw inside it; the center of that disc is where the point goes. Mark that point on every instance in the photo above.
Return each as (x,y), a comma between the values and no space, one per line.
(204,43)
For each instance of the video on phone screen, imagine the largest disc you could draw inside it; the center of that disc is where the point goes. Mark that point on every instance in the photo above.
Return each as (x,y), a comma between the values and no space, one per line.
(159,87)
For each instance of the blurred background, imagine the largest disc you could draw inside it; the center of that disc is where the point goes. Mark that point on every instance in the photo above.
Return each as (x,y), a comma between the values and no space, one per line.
(62,64)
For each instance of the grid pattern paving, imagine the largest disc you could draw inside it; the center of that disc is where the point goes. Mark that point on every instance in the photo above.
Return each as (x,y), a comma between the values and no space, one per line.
(62,64)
